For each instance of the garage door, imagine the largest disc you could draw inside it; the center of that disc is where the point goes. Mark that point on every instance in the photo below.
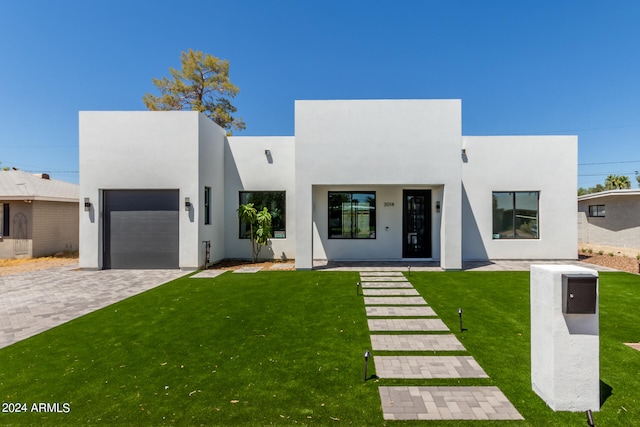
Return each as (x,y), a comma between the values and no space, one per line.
(141,229)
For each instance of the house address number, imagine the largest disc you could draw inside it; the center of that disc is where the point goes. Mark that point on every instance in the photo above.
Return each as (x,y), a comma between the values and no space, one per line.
(389,204)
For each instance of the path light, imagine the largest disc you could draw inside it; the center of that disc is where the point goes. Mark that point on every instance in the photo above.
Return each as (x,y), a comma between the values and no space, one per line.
(367,355)
(590,419)
(409,268)
(460,316)
(358,288)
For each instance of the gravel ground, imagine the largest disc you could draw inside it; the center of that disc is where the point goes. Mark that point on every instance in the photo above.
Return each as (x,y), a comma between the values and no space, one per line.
(16,266)
(623,259)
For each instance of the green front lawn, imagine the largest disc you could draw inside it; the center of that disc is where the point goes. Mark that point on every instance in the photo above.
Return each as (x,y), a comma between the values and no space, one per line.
(285,348)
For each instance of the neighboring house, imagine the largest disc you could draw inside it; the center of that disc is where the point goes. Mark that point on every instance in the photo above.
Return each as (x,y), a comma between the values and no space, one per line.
(360,180)
(38,215)
(610,218)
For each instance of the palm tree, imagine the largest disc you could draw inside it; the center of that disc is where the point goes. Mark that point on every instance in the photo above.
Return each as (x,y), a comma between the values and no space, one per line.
(617,182)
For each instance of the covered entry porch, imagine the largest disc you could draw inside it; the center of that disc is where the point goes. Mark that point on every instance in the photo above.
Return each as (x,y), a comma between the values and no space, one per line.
(378,223)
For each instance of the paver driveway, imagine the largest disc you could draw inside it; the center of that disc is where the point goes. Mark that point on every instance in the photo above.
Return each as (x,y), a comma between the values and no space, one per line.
(36,301)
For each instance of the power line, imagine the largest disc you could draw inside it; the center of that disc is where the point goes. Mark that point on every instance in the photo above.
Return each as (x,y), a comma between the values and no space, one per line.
(608,163)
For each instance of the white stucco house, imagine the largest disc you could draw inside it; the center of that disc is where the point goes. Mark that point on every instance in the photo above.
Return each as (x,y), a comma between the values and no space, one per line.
(360,180)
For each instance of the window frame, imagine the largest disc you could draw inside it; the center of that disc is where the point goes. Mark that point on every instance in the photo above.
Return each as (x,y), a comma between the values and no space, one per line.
(353,235)
(599,213)
(281,230)
(514,219)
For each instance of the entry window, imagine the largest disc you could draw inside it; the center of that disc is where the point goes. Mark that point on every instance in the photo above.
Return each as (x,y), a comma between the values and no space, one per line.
(352,215)
(4,219)
(275,202)
(596,210)
(207,205)
(515,215)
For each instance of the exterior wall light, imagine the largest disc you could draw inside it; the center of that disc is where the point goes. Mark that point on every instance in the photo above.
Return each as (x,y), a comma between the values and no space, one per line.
(187,203)
(267,153)
(87,204)
(438,206)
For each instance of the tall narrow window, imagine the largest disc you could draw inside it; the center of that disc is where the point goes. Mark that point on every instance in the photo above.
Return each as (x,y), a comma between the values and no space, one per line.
(352,215)
(515,215)
(4,219)
(275,202)
(207,205)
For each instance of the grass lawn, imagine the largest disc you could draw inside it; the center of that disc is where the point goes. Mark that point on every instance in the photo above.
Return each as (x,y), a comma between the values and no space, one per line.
(285,348)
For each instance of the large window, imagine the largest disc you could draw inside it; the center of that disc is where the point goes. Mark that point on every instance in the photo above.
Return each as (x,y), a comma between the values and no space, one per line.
(352,215)
(207,205)
(515,215)
(596,210)
(274,201)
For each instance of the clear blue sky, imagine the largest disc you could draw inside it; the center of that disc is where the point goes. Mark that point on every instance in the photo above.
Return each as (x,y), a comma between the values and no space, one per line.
(520,67)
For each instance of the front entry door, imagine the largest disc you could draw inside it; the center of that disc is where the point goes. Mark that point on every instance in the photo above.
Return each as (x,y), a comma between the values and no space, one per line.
(416,224)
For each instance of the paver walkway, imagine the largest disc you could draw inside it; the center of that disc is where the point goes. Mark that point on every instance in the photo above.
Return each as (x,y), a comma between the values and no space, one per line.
(390,307)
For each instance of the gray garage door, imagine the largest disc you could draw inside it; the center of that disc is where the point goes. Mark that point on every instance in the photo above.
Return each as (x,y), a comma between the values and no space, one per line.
(141,229)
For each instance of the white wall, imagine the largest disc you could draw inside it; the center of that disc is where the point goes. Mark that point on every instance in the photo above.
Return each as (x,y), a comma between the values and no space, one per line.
(248,168)
(363,143)
(547,164)
(212,141)
(138,150)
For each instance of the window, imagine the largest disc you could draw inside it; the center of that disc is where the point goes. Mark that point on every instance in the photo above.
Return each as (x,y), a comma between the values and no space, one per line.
(4,219)
(207,205)
(272,200)
(352,215)
(515,215)
(596,210)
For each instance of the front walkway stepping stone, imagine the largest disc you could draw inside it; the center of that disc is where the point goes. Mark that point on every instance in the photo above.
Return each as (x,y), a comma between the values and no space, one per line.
(394,301)
(406,325)
(248,270)
(378,285)
(389,292)
(386,279)
(446,403)
(381,273)
(208,274)
(428,367)
(416,343)
(408,311)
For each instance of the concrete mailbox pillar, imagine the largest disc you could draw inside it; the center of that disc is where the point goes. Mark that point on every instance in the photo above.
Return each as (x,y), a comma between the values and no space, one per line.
(565,337)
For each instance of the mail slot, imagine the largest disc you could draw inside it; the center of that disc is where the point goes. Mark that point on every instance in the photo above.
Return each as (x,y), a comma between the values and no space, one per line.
(579,293)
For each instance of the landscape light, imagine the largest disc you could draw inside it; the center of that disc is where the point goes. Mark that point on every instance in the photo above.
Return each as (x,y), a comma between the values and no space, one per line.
(366,362)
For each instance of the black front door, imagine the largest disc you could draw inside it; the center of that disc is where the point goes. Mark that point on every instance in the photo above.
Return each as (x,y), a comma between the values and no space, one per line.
(416,224)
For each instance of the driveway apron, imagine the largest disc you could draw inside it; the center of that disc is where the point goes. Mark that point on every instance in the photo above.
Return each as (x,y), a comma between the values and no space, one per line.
(36,301)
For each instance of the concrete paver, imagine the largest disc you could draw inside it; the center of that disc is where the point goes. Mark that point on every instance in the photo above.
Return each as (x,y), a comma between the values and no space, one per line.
(389,292)
(428,367)
(208,274)
(431,325)
(36,301)
(394,301)
(438,342)
(446,403)
(365,274)
(248,270)
(386,279)
(407,311)
(386,285)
